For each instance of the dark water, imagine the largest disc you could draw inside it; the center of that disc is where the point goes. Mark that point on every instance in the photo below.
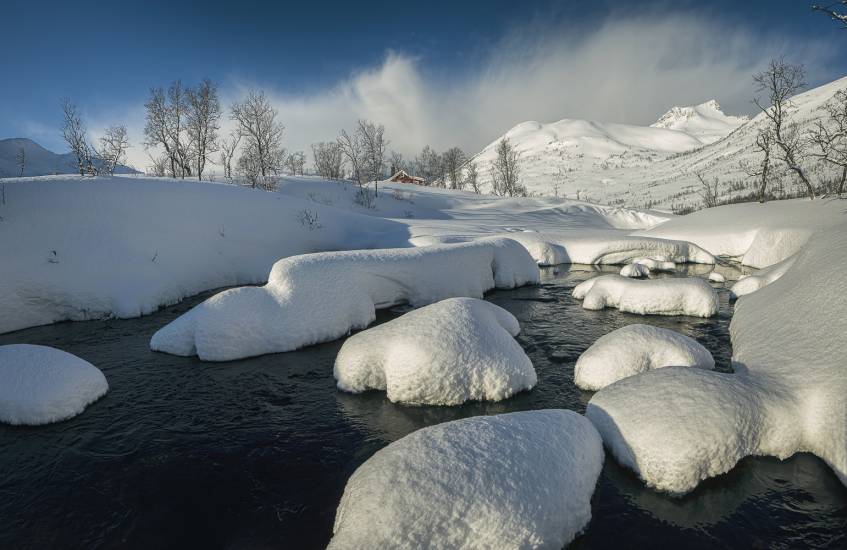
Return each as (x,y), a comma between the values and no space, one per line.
(255,453)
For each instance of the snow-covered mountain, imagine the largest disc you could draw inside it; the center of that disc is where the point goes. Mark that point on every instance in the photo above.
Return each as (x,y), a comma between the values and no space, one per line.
(39,161)
(706,121)
(650,166)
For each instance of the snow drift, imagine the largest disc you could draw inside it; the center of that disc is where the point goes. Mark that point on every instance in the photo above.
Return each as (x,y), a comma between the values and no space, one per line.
(453,351)
(518,480)
(40,385)
(319,297)
(668,296)
(634,349)
(676,427)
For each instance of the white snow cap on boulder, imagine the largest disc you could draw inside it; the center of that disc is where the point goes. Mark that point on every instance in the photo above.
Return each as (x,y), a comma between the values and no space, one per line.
(634,349)
(676,427)
(635,271)
(40,385)
(657,263)
(669,296)
(453,351)
(518,480)
(319,297)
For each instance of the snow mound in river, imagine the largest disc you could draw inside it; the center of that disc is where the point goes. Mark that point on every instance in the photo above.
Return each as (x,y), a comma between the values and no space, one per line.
(636,271)
(669,296)
(518,480)
(453,351)
(676,427)
(40,385)
(319,297)
(634,349)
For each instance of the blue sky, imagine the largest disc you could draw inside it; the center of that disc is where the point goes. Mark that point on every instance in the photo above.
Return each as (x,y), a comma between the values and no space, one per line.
(344,60)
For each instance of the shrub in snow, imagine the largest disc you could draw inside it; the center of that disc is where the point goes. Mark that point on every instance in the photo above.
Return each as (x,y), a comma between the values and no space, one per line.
(634,349)
(761,279)
(453,351)
(669,296)
(676,427)
(577,248)
(658,263)
(40,385)
(320,297)
(716,277)
(635,271)
(518,480)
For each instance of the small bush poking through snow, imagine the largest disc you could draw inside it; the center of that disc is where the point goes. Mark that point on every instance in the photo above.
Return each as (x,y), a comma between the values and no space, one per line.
(634,349)
(453,351)
(670,296)
(518,480)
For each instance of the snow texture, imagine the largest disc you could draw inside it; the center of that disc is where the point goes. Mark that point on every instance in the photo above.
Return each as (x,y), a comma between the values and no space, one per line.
(668,296)
(456,350)
(716,277)
(676,427)
(634,349)
(761,278)
(41,385)
(658,263)
(319,297)
(636,271)
(518,480)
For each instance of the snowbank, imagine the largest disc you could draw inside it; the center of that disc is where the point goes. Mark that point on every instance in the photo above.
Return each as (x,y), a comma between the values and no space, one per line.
(518,480)
(668,296)
(636,271)
(551,248)
(716,277)
(658,263)
(40,385)
(320,297)
(761,278)
(634,349)
(676,427)
(453,351)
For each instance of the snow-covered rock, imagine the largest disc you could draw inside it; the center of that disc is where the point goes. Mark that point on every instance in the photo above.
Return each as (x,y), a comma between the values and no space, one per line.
(668,296)
(636,271)
(319,297)
(551,248)
(762,278)
(716,277)
(634,349)
(518,480)
(676,427)
(456,350)
(40,385)
(658,263)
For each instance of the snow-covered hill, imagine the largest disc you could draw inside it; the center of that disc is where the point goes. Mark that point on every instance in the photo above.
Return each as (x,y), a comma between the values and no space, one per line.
(655,166)
(39,161)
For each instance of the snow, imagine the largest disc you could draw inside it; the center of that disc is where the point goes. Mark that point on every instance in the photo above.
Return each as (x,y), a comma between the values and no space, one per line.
(657,263)
(518,480)
(716,277)
(41,385)
(634,349)
(635,271)
(707,122)
(319,297)
(676,427)
(456,350)
(667,296)
(761,278)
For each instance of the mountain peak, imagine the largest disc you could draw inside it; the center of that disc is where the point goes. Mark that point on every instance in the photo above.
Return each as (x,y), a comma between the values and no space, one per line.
(705,121)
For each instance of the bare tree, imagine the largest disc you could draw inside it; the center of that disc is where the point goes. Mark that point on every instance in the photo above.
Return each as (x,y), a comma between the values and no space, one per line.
(395,160)
(20,159)
(113,146)
(428,165)
(202,123)
(830,135)
(351,147)
(296,162)
(372,138)
(762,170)
(839,15)
(780,81)
(159,166)
(329,159)
(708,191)
(471,177)
(505,171)
(228,148)
(453,160)
(74,133)
(166,126)
(257,123)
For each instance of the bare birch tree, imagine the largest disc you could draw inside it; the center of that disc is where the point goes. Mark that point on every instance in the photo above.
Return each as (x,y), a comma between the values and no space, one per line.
(20,160)
(372,138)
(709,191)
(780,82)
(471,177)
(351,147)
(762,170)
(202,123)
(839,15)
(329,159)
(229,146)
(257,124)
(453,159)
(505,171)
(113,146)
(830,135)
(295,162)
(74,133)
(165,127)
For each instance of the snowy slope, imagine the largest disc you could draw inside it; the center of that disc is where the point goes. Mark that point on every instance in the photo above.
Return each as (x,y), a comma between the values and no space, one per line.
(655,166)
(39,161)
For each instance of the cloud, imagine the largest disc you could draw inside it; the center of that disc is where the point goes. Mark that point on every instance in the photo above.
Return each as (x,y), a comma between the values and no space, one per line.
(624,70)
